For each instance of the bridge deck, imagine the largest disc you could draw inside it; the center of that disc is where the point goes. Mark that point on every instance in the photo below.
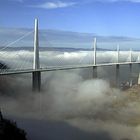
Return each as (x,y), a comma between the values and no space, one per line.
(14,71)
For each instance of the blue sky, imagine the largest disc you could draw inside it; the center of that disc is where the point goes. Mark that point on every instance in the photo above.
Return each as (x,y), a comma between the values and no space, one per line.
(103,17)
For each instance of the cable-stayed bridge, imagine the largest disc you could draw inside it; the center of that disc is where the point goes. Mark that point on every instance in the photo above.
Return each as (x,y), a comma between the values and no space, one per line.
(32,61)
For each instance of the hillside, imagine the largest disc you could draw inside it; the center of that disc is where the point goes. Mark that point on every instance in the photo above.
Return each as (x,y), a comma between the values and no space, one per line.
(10,131)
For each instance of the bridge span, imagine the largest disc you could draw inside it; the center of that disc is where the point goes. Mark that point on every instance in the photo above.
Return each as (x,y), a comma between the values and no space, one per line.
(37,70)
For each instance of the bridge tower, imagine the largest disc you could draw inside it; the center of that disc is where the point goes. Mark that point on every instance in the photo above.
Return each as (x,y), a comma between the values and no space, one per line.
(118,53)
(36,75)
(130,67)
(95,67)
(118,67)
(139,79)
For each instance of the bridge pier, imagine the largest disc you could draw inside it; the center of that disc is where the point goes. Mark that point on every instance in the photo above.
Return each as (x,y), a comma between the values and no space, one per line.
(130,68)
(94,71)
(139,79)
(118,68)
(36,78)
(139,75)
(36,75)
(117,75)
(130,74)
(118,53)
(95,67)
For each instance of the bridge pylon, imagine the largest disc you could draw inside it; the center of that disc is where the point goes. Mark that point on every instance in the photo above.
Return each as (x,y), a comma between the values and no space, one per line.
(118,67)
(95,47)
(139,79)
(118,53)
(36,75)
(95,67)
(118,75)
(130,68)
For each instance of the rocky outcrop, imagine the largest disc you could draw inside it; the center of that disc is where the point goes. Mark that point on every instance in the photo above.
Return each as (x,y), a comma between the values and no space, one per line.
(10,131)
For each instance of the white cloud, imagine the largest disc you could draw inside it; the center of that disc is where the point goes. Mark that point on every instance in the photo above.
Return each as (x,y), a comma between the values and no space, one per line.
(54,5)
(60,4)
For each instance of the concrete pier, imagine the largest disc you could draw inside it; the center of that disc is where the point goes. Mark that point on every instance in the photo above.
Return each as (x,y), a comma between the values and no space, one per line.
(118,67)
(36,78)
(94,67)
(130,55)
(130,69)
(94,47)
(130,75)
(36,75)
(95,72)
(139,76)
(139,79)
(118,75)
(118,52)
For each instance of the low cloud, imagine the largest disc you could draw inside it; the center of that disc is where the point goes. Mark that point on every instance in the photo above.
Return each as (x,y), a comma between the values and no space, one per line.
(86,108)
(69,102)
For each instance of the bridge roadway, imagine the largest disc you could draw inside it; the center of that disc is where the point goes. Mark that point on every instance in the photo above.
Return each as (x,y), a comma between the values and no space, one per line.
(54,68)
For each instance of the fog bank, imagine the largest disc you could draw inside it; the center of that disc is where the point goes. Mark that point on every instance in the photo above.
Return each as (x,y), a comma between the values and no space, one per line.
(82,109)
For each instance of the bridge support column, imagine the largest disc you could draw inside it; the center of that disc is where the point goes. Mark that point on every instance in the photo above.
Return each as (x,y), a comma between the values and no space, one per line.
(118,75)
(36,75)
(139,75)
(95,47)
(95,67)
(118,53)
(130,78)
(139,79)
(130,68)
(94,71)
